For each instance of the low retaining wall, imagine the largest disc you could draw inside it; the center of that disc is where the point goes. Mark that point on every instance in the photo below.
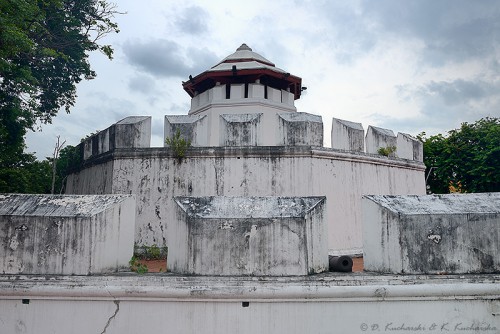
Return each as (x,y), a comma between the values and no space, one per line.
(258,236)
(454,233)
(70,235)
(329,304)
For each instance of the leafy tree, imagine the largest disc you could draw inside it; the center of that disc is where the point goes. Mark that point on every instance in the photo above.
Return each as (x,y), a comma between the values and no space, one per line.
(44,50)
(33,177)
(467,160)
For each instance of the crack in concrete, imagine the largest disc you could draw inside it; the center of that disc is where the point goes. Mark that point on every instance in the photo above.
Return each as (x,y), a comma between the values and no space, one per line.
(117,303)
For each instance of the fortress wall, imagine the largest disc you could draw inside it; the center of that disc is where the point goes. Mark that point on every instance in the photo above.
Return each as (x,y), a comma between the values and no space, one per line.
(156,176)
(93,180)
(257,149)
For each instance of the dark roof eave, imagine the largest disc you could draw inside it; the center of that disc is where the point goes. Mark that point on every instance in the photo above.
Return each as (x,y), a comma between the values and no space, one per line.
(190,85)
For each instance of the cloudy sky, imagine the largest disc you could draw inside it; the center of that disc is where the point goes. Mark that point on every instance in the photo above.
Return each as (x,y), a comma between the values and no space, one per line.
(410,66)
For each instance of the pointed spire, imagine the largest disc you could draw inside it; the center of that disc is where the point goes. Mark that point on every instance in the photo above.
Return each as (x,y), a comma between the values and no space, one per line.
(244,47)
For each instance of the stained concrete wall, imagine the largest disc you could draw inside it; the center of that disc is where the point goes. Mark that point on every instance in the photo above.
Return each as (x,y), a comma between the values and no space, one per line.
(96,180)
(240,129)
(347,135)
(409,147)
(191,127)
(259,236)
(130,132)
(70,235)
(377,138)
(300,129)
(156,176)
(451,233)
(214,103)
(181,304)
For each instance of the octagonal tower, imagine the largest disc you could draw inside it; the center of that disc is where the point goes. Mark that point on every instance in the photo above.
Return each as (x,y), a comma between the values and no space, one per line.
(245,100)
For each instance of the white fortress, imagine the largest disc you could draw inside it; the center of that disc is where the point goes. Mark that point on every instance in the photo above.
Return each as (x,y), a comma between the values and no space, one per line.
(249,215)
(248,140)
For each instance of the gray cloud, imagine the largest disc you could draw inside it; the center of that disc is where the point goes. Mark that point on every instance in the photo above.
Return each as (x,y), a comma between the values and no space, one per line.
(143,84)
(352,34)
(458,91)
(450,30)
(164,58)
(193,20)
(445,104)
(161,58)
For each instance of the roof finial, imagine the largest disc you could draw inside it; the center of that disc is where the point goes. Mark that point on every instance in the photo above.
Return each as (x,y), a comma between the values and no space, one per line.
(244,47)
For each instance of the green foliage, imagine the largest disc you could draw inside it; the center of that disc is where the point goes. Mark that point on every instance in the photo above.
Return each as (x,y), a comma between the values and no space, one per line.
(387,151)
(467,160)
(34,177)
(178,144)
(44,50)
(150,252)
(136,266)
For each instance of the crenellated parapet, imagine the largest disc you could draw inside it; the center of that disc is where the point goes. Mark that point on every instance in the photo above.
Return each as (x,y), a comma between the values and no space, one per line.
(130,132)
(248,129)
(256,129)
(350,136)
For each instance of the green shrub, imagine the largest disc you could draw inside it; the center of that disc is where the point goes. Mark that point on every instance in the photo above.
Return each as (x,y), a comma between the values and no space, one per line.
(178,144)
(387,151)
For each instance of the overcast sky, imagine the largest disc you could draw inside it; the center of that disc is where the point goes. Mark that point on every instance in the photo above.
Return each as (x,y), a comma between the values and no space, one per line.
(409,66)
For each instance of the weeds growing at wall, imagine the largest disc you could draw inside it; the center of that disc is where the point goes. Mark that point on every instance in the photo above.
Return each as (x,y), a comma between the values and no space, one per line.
(136,266)
(150,252)
(146,253)
(388,151)
(178,145)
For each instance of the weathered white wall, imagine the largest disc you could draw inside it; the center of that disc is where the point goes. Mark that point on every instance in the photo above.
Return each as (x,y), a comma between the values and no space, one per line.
(329,304)
(96,180)
(346,135)
(379,138)
(300,129)
(258,236)
(191,127)
(71,235)
(130,132)
(155,176)
(240,129)
(432,233)
(213,104)
(409,147)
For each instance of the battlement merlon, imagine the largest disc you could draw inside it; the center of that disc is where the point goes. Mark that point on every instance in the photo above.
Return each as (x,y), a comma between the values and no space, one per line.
(130,132)
(254,129)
